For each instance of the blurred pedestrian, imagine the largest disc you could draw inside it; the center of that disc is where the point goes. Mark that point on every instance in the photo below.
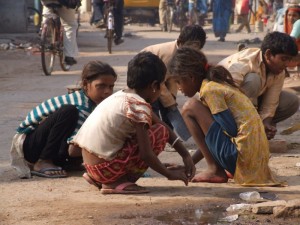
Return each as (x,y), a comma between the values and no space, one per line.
(222,10)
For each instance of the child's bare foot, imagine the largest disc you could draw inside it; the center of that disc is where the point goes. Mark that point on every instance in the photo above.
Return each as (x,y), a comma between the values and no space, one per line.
(210,177)
(123,188)
(46,168)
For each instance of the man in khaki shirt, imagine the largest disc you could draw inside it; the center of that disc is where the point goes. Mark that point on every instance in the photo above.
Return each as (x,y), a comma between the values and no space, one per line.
(166,106)
(260,73)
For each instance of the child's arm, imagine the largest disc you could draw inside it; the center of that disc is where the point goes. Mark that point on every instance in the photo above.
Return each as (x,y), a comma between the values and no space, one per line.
(176,143)
(147,155)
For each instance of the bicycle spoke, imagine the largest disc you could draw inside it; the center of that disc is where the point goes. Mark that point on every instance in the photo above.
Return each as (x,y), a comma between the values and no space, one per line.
(48,48)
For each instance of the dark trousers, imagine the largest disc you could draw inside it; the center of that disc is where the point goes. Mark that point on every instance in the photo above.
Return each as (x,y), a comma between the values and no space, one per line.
(49,140)
(161,112)
(119,17)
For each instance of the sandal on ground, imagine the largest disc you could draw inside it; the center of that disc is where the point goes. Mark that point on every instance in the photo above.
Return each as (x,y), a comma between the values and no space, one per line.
(214,179)
(91,181)
(42,172)
(122,189)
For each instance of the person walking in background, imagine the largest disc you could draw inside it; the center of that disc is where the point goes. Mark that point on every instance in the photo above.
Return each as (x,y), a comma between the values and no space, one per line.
(161,13)
(42,145)
(222,10)
(260,73)
(166,107)
(292,15)
(122,137)
(97,18)
(70,25)
(242,9)
(223,122)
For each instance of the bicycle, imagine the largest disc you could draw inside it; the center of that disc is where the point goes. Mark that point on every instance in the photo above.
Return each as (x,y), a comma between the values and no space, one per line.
(52,41)
(109,20)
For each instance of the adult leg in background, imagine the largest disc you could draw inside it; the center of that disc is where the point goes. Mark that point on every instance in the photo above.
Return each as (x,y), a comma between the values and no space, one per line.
(162,11)
(119,21)
(288,106)
(69,22)
(97,16)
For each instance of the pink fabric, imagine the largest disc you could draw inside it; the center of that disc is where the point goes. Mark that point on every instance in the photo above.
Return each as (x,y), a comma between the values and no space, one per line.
(127,162)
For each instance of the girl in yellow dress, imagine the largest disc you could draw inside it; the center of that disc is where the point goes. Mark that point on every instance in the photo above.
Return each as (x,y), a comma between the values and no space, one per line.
(223,122)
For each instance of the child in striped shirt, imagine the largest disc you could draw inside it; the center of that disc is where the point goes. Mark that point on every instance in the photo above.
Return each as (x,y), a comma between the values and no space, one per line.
(43,138)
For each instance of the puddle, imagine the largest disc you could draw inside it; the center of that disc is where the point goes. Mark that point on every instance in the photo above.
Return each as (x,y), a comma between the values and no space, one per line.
(190,215)
(195,216)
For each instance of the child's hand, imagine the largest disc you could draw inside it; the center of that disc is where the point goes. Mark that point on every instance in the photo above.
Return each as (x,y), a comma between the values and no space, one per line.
(270,128)
(178,175)
(270,131)
(190,168)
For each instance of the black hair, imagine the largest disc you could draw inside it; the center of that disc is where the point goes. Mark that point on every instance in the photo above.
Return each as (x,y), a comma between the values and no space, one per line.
(143,69)
(188,61)
(279,43)
(192,33)
(94,69)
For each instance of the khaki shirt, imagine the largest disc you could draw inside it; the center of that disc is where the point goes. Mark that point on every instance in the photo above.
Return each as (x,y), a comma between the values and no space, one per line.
(165,52)
(251,61)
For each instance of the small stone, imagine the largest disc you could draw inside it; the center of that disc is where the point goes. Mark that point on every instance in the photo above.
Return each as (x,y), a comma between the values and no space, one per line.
(278,146)
(267,207)
(291,209)
(4,46)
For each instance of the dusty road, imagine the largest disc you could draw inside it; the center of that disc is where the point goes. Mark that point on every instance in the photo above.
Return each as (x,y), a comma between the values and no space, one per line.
(72,201)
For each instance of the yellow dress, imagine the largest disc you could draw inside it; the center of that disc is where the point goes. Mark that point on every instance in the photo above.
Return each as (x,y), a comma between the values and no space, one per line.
(251,141)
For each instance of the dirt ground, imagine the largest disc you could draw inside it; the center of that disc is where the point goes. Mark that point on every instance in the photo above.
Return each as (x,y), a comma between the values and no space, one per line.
(72,200)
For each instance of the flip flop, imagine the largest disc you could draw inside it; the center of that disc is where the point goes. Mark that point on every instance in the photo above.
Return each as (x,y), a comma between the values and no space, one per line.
(120,189)
(211,180)
(41,173)
(229,175)
(92,181)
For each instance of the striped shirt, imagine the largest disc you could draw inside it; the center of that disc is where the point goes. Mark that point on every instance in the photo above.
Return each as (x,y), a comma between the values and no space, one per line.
(78,98)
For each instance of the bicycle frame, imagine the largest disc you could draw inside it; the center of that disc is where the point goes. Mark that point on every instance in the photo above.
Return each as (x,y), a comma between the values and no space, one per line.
(109,18)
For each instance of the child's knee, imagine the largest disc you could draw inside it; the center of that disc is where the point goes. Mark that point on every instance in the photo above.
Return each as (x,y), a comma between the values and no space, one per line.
(189,106)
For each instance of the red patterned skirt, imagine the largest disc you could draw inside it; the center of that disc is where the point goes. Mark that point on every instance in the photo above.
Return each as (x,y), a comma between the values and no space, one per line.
(127,162)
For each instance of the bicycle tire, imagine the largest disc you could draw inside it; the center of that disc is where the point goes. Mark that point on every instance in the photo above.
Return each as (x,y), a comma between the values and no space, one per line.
(110,36)
(48,47)
(34,20)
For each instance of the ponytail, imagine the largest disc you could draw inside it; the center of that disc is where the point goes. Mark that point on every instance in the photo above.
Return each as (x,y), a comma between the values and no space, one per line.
(220,75)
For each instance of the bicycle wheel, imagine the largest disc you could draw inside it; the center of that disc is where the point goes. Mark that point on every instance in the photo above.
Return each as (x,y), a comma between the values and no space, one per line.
(110,36)
(48,47)
(34,19)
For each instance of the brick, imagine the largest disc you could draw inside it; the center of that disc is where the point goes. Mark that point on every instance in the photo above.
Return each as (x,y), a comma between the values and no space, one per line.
(267,207)
(278,146)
